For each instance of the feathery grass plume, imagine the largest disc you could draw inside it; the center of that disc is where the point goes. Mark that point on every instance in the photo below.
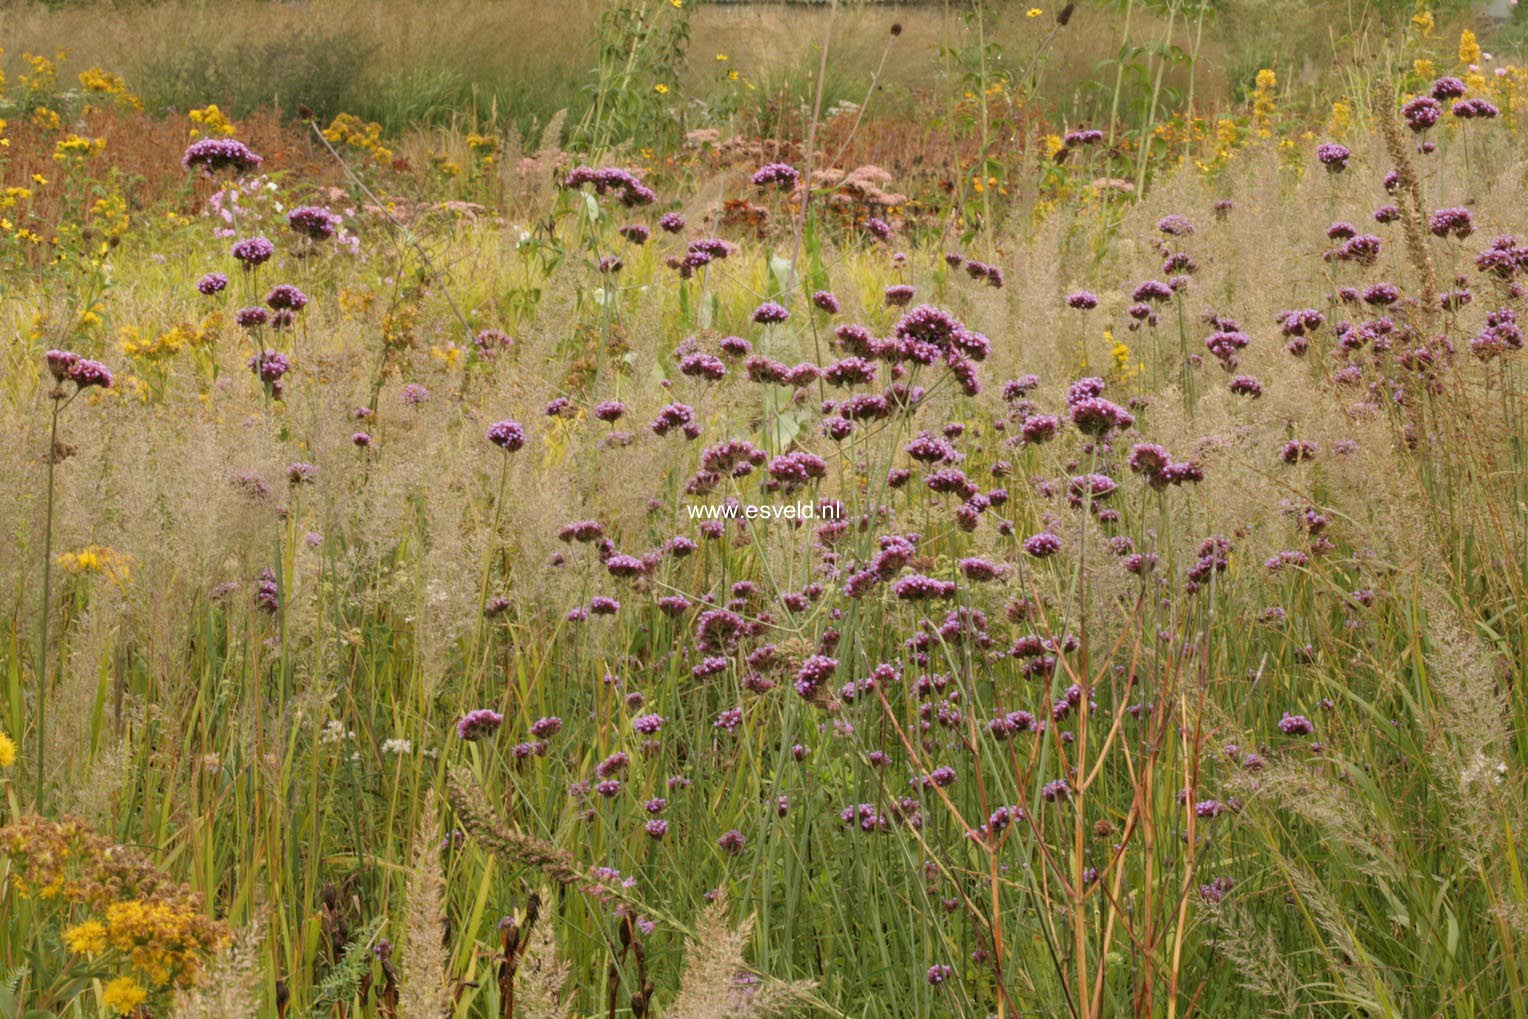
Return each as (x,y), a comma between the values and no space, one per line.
(1257,956)
(479,819)
(1304,791)
(1357,979)
(1414,221)
(231,987)
(344,979)
(424,992)
(540,977)
(1472,760)
(718,984)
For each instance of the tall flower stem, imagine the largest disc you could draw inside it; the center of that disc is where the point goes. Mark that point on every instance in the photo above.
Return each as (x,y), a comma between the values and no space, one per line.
(47,592)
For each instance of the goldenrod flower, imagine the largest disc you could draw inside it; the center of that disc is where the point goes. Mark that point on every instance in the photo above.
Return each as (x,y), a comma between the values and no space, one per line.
(87,938)
(1469,49)
(1423,22)
(123,995)
(7,751)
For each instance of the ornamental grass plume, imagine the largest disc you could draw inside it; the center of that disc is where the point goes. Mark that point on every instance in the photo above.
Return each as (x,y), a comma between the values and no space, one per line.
(481,822)
(718,984)
(424,987)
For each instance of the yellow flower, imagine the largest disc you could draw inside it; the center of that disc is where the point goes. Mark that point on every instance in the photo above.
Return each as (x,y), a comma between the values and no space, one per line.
(87,938)
(661,89)
(75,147)
(721,57)
(46,119)
(7,751)
(1424,68)
(1053,144)
(1266,79)
(123,995)
(1469,49)
(1423,22)
(1033,12)
(676,4)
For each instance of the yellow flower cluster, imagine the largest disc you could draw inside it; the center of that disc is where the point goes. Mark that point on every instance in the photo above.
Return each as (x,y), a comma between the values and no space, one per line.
(1262,101)
(169,343)
(141,918)
(1423,22)
(97,559)
(99,82)
(348,129)
(41,74)
(47,120)
(123,995)
(76,148)
(7,751)
(210,122)
(1469,48)
(483,145)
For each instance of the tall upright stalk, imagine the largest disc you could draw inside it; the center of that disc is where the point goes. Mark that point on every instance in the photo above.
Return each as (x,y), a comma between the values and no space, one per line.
(58,399)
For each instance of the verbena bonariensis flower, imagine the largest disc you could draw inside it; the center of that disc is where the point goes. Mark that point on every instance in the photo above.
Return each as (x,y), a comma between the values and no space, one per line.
(636,233)
(507,435)
(1298,450)
(1097,416)
(675,415)
(826,301)
(1447,88)
(814,672)
(285,297)
(623,184)
(212,283)
(1086,136)
(217,154)
(1083,300)
(1422,113)
(251,318)
(792,470)
(770,313)
(1387,214)
(1175,225)
(1152,290)
(1246,385)
(1042,545)
(732,842)
(269,365)
(559,406)
(609,410)
(1333,156)
(1295,725)
(850,371)
(301,473)
(671,222)
(253,251)
(878,228)
(312,222)
(1470,109)
(59,363)
(267,592)
(85,373)
(479,724)
(898,295)
(1456,222)
(782,174)
(916,587)
(703,366)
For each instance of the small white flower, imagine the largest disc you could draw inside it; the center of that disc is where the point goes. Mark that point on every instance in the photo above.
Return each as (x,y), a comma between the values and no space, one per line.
(335,732)
(402,747)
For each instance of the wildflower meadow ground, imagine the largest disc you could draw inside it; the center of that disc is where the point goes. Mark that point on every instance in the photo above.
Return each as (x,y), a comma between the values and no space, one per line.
(726,551)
